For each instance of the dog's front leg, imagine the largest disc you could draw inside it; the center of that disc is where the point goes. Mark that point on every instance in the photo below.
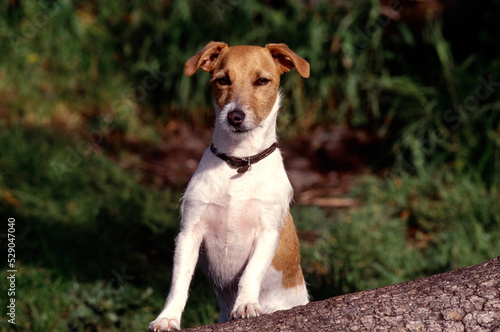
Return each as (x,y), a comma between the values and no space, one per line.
(186,255)
(266,241)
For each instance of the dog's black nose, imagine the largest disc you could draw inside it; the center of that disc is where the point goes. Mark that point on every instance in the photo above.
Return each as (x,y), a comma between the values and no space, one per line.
(235,118)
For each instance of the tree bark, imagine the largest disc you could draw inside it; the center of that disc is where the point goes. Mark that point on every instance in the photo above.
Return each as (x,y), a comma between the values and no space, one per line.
(467,299)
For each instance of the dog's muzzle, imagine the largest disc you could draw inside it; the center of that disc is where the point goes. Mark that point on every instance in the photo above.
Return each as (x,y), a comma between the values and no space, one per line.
(235,118)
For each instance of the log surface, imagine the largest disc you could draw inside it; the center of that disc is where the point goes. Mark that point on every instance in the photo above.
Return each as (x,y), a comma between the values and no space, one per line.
(467,299)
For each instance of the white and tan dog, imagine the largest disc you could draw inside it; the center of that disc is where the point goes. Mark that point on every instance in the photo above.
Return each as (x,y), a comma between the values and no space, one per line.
(235,211)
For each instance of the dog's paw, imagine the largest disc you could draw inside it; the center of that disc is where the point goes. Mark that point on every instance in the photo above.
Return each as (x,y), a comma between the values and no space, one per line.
(246,311)
(164,324)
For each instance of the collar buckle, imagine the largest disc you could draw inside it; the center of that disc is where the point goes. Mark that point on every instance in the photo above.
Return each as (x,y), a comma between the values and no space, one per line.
(245,168)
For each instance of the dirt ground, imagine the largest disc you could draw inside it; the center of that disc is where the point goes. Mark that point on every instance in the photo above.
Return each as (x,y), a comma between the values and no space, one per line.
(321,166)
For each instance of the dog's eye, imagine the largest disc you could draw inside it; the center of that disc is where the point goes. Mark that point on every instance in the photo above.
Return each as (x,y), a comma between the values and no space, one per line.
(223,81)
(262,81)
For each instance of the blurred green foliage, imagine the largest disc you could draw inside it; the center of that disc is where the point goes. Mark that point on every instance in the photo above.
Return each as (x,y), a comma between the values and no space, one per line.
(421,87)
(407,228)
(79,79)
(90,238)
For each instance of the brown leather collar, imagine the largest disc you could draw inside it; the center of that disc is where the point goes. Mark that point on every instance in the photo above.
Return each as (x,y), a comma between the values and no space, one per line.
(244,164)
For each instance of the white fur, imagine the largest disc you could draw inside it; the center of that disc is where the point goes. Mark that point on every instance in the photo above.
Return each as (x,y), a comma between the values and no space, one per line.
(235,219)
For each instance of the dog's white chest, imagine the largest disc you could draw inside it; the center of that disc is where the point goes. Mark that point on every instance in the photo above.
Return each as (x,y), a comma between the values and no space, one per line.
(231,232)
(231,209)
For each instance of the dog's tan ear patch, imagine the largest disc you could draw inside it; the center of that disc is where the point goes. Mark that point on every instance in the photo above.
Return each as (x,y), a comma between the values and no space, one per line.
(204,59)
(287,59)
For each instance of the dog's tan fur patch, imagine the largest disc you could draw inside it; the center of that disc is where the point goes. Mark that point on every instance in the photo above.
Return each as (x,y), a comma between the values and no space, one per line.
(287,256)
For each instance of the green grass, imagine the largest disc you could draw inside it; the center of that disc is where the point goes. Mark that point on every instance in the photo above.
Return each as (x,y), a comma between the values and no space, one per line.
(94,245)
(406,228)
(46,302)
(415,86)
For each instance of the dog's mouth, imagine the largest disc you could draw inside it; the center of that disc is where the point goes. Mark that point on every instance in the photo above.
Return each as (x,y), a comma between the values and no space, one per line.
(239,130)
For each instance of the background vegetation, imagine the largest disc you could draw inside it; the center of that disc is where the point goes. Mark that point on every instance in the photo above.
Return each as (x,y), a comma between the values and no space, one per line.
(81,80)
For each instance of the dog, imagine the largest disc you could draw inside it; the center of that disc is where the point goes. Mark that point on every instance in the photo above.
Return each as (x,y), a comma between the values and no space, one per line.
(235,210)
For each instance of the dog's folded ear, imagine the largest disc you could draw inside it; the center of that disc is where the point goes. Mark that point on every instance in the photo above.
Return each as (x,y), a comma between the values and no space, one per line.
(287,59)
(204,59)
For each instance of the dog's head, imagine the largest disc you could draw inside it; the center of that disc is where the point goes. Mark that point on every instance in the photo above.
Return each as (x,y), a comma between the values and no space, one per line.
(245,80)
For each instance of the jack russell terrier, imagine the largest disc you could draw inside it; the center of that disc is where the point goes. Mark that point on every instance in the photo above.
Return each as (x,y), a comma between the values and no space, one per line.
(235,210)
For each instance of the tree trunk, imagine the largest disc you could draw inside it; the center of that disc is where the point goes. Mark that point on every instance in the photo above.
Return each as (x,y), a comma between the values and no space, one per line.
(467,299)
